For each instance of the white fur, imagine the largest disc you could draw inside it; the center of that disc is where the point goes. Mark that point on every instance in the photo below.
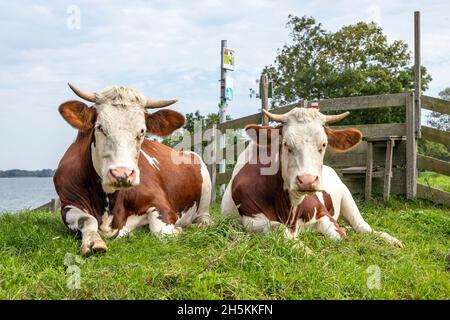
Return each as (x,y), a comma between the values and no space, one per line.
(202,215)
(343,203)
(157,226)
(105,228)
(89,230)
(120,114)
(151,160)
(133,222)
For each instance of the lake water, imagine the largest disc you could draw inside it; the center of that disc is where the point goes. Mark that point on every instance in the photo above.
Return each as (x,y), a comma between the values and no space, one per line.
(25,193)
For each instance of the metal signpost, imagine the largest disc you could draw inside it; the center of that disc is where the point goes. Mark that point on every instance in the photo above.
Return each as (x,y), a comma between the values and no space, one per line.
(226,93)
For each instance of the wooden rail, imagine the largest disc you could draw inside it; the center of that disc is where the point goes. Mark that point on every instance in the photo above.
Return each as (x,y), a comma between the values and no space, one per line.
(436,135)
(435,195)
(432,164)
(337,104)
(436,104)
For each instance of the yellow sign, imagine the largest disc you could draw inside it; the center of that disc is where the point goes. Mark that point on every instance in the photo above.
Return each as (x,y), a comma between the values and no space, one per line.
(228,59)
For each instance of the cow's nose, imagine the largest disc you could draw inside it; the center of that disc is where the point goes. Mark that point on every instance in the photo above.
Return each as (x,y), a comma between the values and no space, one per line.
(121,175)
(307,182)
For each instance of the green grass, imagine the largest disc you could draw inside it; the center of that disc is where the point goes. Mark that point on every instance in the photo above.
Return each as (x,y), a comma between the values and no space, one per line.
(224,262)
(435,180)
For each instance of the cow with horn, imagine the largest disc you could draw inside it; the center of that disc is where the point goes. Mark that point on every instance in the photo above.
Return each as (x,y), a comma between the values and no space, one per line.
(112,180)
(293,189)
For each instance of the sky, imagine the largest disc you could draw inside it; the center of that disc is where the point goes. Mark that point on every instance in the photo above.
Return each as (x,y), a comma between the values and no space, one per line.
(166,50)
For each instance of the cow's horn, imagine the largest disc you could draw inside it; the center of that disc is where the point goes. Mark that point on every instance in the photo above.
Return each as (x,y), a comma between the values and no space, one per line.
(154,104)
(274,117)
(336,117)
(89,96)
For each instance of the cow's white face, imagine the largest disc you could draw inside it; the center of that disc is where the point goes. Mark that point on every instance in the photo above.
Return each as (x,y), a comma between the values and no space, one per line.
(119,132)
(302,140)
(302,151)
(119,123)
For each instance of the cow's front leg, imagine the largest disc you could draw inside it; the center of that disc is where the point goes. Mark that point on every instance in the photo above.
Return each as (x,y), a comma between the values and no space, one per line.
(327,226)
(162,221)
(350,212)
(79,220)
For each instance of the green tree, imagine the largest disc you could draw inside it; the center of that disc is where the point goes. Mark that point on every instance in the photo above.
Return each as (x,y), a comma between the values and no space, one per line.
(356,60)
(192,119)
(438,120)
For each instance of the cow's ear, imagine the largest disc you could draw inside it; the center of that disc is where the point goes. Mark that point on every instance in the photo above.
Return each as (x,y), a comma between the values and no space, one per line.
(164,122)
(263,135)
(78,114)
(343,140)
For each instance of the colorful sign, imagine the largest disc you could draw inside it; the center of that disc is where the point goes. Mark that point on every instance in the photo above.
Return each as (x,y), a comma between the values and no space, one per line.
(228,59)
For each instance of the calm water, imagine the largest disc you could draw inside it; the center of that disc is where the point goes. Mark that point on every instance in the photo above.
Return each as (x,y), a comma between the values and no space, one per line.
(24,193)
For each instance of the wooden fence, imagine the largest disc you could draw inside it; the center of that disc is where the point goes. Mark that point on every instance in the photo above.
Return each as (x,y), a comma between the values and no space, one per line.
(405,160)
(429,163)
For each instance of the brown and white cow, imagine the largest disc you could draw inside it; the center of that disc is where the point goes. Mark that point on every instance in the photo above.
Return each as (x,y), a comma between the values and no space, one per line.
(293,189)
(112,180)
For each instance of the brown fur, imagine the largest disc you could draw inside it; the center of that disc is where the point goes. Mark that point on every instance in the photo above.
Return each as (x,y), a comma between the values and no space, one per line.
(343,140)
(254,193)
(172,189)
(163,122)
(78,114)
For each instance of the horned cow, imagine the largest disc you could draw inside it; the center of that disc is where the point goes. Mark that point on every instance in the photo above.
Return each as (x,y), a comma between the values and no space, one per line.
(112,180)
(302,192)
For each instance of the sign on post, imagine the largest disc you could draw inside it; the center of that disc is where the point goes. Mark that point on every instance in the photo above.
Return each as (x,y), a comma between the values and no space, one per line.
(228,59)
(229,88)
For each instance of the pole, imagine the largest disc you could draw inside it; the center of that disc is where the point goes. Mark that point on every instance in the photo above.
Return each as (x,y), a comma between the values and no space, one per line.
(417,72)
(222,109)
(264,91)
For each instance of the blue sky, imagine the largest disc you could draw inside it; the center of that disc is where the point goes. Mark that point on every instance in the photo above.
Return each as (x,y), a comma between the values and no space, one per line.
(165,49)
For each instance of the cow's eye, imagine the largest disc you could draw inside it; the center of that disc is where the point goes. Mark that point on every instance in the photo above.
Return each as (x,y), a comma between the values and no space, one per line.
(100,128)
(140,135)
(287,147)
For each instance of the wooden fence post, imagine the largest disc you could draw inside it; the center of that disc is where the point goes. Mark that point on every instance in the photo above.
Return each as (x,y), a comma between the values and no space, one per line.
(417,73)
(212,166)
(264,91)
(411,147)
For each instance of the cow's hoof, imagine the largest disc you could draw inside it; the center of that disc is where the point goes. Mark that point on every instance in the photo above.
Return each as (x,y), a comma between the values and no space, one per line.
(301,246)
(90,247)
(397,243)
(177,230)
(99,246)
(390,239)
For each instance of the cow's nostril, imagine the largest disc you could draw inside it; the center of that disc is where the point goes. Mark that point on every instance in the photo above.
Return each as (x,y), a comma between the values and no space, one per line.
(307,182)
(121,175)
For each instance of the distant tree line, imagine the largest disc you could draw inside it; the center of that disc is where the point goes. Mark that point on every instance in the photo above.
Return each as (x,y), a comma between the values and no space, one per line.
(14,173)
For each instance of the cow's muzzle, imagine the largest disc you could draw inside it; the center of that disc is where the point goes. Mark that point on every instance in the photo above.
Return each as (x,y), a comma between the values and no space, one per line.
(308,183)
(122,177)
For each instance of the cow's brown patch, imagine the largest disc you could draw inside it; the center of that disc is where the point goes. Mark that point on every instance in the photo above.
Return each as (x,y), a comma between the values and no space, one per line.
(171,189)
(343,140)
(78,114)
(263,134)
(164,122)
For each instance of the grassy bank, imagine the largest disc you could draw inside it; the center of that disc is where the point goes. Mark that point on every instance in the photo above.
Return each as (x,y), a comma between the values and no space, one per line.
(434,180)
(223,262)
